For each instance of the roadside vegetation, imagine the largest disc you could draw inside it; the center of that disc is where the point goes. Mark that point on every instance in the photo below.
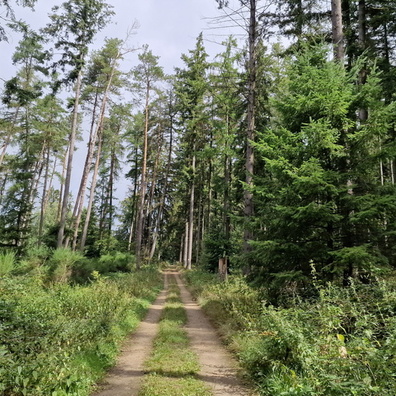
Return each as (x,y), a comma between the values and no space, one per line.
(172,366)
(341,341)
(58,336)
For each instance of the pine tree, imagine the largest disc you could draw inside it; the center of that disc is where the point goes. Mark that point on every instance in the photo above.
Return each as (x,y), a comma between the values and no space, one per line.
(102,78)
(21,180)
(146,76)
(74,25)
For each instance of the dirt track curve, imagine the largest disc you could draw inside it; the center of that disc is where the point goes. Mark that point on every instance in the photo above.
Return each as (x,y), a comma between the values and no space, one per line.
(218,368)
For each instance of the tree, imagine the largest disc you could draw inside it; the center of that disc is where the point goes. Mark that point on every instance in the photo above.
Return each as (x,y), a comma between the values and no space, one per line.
(146,76)
(103,77)
(9,13)
(252,28)
(74,24)
(20,95)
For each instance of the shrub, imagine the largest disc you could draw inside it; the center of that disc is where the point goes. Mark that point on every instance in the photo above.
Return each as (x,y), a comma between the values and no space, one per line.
(61,263)
(116,261)
(340,343)
(7,262)
(58,340)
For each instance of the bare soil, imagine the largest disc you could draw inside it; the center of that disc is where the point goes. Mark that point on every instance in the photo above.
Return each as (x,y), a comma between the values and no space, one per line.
(218,368)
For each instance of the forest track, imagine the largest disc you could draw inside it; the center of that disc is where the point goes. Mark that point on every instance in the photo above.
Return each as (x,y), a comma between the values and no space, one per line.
(218,368)
(125,378)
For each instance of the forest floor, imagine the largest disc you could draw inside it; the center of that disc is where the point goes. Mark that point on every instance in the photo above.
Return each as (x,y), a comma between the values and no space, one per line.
(218,370)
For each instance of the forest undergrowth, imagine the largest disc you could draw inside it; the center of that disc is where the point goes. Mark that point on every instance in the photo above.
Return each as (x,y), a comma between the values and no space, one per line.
(340,342)
(58,336)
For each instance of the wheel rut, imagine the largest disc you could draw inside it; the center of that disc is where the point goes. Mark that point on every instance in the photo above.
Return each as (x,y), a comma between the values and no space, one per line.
(218,368)
(125,378)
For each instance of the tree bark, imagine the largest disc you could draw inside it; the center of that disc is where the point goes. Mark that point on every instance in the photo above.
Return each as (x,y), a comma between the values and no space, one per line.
(93,139)
(69,167)
(91,194)
(251,125)
(337,30)
(191,216)
(143,187)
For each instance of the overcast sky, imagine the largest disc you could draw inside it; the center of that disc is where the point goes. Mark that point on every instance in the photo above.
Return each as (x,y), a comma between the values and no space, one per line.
(169,27)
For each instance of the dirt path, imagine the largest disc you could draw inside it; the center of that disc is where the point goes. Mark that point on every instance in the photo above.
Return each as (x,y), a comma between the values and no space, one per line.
(125,377)
(218,369)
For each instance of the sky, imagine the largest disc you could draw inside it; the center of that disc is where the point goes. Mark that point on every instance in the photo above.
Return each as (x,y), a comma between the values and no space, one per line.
(169,27)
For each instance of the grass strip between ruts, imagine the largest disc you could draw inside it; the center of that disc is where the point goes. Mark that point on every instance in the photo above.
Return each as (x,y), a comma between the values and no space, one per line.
(172,366)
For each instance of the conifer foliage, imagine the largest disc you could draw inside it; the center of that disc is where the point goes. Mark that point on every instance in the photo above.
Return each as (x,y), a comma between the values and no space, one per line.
(277,160)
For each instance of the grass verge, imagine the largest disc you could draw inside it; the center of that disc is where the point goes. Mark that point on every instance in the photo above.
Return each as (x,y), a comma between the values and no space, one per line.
(333,345)
(58,340)
(172,366)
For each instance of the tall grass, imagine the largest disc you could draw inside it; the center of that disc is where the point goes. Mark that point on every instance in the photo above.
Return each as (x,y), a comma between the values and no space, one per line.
(7,262)
(341,343)
(58,339)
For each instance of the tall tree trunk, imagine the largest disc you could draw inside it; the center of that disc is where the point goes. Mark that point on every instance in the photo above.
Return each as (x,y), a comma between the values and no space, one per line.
(69,167)
(363,112)
(143,187)
(150,205)
(62,184)
(84,179)
(78,206)
(134,208)
(191,216)
(91,194)
(44,197)
(337,29)
(185,251)
(165,190)
(251,125)
(111,191)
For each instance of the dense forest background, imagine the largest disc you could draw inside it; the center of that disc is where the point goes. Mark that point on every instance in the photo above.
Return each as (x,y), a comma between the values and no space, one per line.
(277,157)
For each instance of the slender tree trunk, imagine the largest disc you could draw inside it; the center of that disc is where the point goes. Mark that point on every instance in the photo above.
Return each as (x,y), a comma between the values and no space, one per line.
(337,29)
(200,221)
(78,207)
(91,194)
(150,206)
(83,184)
(134,208)
(165,191)
(191,216)
(62,184)
(363,112)
(143,187)
(111,189)
(69,167)
(44,197)
(251,126)
(181,249)
(185,252)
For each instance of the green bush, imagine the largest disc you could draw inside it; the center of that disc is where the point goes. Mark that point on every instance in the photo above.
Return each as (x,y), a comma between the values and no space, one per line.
(61,263)
(58,340)
(7,262)
(115,262)
(341,343)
